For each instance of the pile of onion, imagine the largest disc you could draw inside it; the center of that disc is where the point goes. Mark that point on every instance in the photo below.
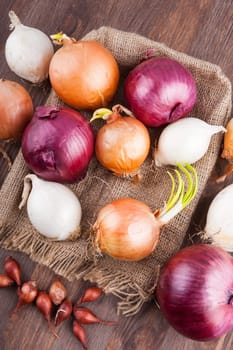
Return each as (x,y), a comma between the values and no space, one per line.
(195,292)
(58,144)
(160,90)
(84,74)
(123,143)
(16,110)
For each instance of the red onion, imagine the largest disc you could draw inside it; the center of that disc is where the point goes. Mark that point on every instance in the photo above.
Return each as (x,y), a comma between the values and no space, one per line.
(160,90)
(58,144)
(195,292)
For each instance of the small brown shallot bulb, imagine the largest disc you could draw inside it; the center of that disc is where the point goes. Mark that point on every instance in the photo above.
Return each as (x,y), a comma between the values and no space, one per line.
(5,281)
(44,304)
(27,294)
(86,316)
(12,269)
(57,292)
(63,313)
(90,294)
(80,334)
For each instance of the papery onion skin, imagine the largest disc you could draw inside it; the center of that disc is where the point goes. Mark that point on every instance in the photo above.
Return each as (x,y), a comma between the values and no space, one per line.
(219,219)
(84,74)
(53,209)
(122,144)
(186,140)
(195,291)
(16,109)
(58,144)
(160,90)
(28,51)
(126,229)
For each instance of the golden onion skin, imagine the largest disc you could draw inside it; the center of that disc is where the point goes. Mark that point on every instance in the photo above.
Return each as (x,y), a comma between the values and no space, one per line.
(84,74)
(122,145)
(16,109)
(126,229)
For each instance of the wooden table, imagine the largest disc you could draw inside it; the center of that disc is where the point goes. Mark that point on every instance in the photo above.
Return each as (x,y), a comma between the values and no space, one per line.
(202,28)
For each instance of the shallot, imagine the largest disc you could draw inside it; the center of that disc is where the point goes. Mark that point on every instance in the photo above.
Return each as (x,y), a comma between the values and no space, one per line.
(27,294)
(12,269)
(86,316)
(63,312)
(44,304)
(53,209)
(57,292)
(90,294)
(184,141)
(80,334)
(28,51)
(5,281)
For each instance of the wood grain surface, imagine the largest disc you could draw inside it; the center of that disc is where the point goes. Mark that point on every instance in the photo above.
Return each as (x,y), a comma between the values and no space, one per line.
(202,28)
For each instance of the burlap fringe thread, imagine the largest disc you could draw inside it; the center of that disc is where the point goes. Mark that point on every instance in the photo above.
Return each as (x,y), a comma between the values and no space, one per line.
(132,283)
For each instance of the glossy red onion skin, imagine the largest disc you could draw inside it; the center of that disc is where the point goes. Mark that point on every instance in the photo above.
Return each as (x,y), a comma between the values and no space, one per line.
(159,91)
(195,292)
(58,144)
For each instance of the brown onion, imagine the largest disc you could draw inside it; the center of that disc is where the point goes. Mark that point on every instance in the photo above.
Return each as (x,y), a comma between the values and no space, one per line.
(123,143)
(84,74)
(227,152)
(127,229)
(16,109)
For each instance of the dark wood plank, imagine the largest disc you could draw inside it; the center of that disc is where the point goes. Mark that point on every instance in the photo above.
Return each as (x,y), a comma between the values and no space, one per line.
(202,28)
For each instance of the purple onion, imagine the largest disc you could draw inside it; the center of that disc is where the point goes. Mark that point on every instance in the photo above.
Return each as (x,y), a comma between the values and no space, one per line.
(58,144)
(195,292)
(160,90)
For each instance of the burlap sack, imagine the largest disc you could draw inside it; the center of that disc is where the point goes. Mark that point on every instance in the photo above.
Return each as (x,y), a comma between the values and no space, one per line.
(132,282)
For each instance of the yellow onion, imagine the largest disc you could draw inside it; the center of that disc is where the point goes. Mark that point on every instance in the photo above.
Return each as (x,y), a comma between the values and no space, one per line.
(84,74)
(227,152)
(127,229)
(16,110)
(123,143)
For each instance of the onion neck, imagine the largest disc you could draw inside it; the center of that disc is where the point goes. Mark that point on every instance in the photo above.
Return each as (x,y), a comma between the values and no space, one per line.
(62,39)
(49,112)
(15,21)
(29,181)
(111,115)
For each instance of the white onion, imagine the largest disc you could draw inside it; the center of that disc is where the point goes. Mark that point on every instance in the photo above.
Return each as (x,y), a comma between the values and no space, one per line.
(219,221)
(184,141)
(53,209)
(28,51)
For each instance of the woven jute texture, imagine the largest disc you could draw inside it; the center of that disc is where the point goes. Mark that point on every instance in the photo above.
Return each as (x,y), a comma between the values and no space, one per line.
(132,282)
